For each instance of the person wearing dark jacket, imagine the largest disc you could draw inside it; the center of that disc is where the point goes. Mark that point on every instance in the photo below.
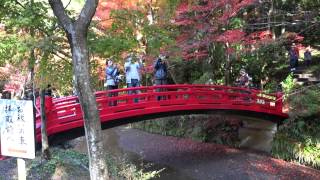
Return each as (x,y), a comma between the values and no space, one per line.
(160,74)
(160,71)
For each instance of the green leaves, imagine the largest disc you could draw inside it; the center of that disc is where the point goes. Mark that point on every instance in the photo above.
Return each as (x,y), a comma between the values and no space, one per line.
(12,49)
(131,30)
(298,139)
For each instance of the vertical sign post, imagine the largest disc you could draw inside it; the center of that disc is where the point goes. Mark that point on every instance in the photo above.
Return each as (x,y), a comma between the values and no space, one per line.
(17,131)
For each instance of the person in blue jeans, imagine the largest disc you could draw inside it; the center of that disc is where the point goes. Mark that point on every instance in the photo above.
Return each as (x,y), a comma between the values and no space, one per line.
(133,69)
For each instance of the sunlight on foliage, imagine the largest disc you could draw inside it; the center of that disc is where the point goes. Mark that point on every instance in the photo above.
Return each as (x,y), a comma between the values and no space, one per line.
(288,84)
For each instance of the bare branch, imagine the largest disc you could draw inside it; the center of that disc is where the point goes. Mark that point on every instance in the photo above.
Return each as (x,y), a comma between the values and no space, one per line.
(62,58)
(17,2)
(67,5)
(60,12)
(86,14)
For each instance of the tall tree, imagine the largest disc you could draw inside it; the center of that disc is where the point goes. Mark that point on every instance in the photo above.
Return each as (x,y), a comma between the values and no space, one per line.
(76,31)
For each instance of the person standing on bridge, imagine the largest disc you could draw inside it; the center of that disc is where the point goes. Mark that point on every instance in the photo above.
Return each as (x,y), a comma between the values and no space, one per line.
(133,68)
(112,79)
(160,73)
(48,90)
(160,70)
(244,79)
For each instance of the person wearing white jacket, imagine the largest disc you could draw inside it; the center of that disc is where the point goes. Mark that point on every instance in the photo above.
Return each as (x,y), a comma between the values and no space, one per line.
(133,69)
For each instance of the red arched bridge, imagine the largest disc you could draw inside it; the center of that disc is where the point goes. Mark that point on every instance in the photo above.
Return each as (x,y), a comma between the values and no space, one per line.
(135,104)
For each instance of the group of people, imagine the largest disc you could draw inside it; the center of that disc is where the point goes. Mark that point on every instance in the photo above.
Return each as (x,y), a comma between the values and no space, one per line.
(294,57)
(244,79)
(132,69)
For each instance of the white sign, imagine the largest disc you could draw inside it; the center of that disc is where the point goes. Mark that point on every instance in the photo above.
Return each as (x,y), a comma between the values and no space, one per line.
(17,128)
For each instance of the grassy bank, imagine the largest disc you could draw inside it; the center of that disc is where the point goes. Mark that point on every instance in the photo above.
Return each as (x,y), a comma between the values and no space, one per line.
(68,164)
(298,139)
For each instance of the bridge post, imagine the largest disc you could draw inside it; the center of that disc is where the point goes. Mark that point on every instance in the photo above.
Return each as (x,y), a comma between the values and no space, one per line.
(279,101)
(1,157)
(49,107)
(192,95)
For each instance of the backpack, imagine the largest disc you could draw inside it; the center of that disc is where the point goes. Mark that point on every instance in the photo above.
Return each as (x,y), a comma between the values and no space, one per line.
(118,79)
(115,75)
(160,73)
(160,70)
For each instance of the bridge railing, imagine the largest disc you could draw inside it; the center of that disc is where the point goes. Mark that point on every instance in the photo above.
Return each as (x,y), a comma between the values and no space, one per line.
(68,110)
(65,113)
(199,93)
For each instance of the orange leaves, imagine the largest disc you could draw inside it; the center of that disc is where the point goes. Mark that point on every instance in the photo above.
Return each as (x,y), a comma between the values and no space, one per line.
(13,77)
(106,6)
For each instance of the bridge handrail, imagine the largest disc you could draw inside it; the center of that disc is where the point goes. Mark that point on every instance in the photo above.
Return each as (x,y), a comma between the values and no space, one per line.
(68,106)
(123,93)
(69,101)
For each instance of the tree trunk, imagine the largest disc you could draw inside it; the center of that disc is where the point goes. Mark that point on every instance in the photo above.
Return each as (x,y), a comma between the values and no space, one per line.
(228,64)
(92,124)
(77,36)
(44,136)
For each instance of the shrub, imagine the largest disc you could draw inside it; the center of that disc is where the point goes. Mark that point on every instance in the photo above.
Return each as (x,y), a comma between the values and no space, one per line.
(298,139)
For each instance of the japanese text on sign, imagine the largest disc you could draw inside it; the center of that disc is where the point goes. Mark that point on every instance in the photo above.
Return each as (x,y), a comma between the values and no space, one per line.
(17,128)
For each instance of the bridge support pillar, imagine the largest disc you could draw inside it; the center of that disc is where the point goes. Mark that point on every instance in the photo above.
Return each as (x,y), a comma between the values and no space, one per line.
(279,103)
(1,157)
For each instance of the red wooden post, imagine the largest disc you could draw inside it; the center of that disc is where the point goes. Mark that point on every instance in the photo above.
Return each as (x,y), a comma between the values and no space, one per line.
(51,115)
(279,101)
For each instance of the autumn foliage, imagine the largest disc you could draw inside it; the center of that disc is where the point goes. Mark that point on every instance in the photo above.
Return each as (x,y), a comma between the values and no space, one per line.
(105,7)
(204,22)
(13,77)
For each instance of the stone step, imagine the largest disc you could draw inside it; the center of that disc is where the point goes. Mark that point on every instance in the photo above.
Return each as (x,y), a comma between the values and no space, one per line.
(303,75)
(300,71)
(306,79)
(306,83)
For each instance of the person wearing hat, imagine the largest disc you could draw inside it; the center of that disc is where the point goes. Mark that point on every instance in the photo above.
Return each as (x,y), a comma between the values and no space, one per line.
(244,79)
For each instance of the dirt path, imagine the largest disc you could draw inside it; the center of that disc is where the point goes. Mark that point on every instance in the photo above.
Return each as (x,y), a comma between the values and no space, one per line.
(186,159)
(8,169)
